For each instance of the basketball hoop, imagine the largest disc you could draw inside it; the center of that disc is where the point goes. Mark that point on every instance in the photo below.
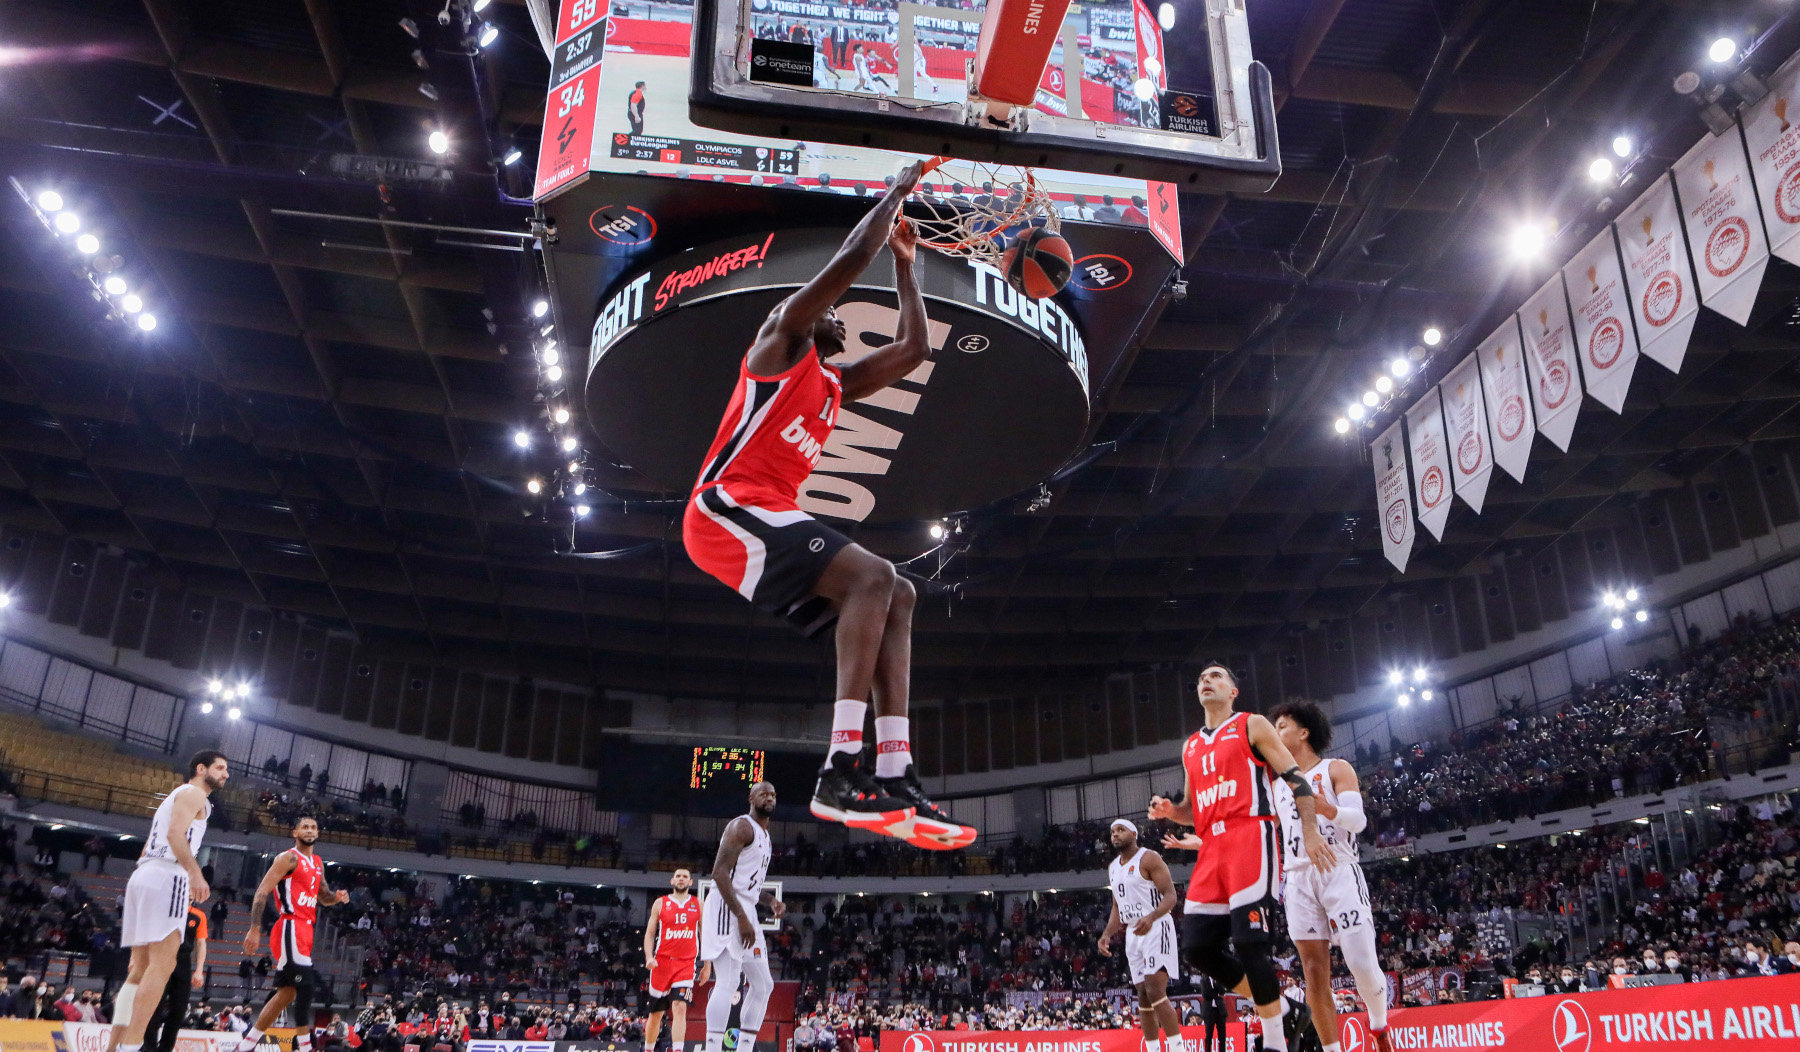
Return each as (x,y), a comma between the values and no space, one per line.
(977,225)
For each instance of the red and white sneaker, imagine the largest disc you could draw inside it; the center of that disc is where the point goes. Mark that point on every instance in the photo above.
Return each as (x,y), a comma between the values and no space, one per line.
(847,795)
(1381,1041)
(929,828)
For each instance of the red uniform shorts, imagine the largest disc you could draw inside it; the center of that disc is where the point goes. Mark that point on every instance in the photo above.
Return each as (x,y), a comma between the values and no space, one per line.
(1236,874)
(671,974)
(772,556)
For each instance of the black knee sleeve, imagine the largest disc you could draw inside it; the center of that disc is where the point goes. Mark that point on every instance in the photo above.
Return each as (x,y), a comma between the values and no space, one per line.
(1264,987)
(303,1002)
(1206,943)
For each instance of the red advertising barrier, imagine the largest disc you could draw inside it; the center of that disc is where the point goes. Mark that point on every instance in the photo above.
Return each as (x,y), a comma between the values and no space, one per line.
(1044,1040)
(1693,1017)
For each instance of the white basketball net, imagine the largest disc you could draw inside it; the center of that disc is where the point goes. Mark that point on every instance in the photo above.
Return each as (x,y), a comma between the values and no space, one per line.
(977,222)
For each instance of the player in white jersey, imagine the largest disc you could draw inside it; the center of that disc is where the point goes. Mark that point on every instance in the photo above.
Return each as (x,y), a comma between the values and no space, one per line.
(167,878)
(1143,898)
(1328,907)
(730,939)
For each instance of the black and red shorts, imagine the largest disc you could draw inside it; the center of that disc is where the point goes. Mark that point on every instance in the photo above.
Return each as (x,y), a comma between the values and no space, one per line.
(771,556)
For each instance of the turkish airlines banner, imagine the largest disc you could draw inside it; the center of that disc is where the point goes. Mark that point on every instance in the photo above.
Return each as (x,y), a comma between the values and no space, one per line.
(1659,273)
(1605,336)
(1773,138)
(1430,462)
(1692,1017)
(1045,1040)
(1392,501)
(1725,230)
(1465,415)
(1550,360)
(1509,407)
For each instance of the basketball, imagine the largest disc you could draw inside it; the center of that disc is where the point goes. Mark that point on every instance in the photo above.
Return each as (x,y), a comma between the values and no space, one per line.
(1037,263)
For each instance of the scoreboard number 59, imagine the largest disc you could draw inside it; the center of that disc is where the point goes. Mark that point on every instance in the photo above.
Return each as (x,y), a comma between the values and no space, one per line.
(580,11)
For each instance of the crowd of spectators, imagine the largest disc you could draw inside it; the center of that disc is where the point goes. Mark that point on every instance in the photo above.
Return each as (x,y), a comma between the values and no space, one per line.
(42,910)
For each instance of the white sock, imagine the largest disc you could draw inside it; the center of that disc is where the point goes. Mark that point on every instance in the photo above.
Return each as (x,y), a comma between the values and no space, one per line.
(249,1040)
(1377,1011)
(893,748)
(1152,1044)
(846,731)
(1274,1035)
(1334,1047)
(715,1039)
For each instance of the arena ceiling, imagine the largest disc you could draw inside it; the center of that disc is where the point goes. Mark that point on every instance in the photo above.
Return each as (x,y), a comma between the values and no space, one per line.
(322,422)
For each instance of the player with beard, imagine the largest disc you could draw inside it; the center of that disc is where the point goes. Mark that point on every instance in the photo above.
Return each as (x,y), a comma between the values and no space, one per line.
(297,880)
(157,896)
(671,944)
(1228,799)
(1143,898)
(744,526)
(730,939)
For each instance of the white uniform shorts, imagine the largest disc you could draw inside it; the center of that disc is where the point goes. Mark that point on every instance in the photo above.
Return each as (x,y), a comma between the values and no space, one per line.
(1328,906)
(719,933)
(1146,955)
(156,903)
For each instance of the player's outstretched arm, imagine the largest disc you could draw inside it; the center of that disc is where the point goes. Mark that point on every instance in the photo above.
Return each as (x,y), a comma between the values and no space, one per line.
(885,365)
(737,837)
(1268,745)
(279,870)
(796,315)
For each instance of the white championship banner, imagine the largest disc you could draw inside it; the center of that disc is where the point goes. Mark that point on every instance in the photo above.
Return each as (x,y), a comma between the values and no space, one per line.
(1550,359)
(1509,407)
(1659,274)
(1605,335)
(1725,230)
(1430,462)
(1392,501)
(1774,141)
(1465,417)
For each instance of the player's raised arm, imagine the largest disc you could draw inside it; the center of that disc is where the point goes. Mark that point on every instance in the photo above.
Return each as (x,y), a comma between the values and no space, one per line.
(1268,745)
(796,315)
(885,365)
(737,837)
(1180,811)
(1153,867)
(279,870)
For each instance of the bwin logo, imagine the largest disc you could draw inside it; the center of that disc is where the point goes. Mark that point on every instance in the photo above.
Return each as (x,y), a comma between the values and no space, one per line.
(919,1043)
(796,433)
(1570,1028)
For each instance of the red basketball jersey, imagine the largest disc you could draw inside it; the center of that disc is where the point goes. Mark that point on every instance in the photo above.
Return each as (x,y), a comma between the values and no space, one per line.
(678,929)
(1227,782)
(297,897)
(773,432)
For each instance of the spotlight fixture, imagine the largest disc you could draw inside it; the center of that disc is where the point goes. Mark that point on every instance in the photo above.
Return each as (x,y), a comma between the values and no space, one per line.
(574,466)
(206,708)
(88,244)
(5,600)
(439,142)
(1403,700)
(214,686)
(1529,239)
(540,308)
(1618,623)
(569,444)
(67,222)
(1370,398)
(1622,145)
(1600,170)
(534,485)
(50,201)
(1419,674)
(561,415)
(489,33)
(550,356)
(553,373)
(1400,366)
(581,511)
(1631,595)
(147,322)
(1425,695)
(1642,616)
(114,285)
(513,156)
(1384,384)
(522,439)
(1396,677)
(131,303)
(1433,336)
(937,531)
(580,488)
(1341,426)
(234,712)
(1355,411)
(1723,50)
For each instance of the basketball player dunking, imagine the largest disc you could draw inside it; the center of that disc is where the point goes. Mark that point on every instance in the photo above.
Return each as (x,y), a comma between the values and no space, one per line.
(1143,899)
(1328,907)
(297,880)
(671,945)
(730,939)
(1228,800)
(166,879)
(744,527)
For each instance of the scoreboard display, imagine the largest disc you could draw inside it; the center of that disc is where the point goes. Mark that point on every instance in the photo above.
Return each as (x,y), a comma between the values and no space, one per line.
(717,767)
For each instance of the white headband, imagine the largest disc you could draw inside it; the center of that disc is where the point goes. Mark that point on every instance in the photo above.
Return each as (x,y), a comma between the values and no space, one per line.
(1124,823)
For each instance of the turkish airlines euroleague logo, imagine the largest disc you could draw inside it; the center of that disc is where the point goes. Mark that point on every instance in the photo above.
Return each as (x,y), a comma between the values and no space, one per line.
(919,1043)
(1350,1033)
(1570,1028)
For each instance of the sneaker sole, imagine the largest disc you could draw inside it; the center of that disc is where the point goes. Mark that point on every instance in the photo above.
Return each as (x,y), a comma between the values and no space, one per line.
(932,835)
(874,820)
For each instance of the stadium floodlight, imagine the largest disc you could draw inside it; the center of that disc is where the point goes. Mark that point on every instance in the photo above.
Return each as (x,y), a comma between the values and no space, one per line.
(214,686)
(581,511)
(67,222)
(1642,616)
(50,201)
(937,531)
(513,156)
(1396,677)
(1400,366)
(131,303)
(234,712)
(206,708)
(114,285)
(1433,336)
(5,600)
(522,438)
(1618,623)
(569,444)
(87,244)
(1610,600)
(1600,169)
(147,322)
(1622,145)
(1341,426)
(1165,16)
(540,308)
(480,5)
(561,415)
(1425,695)
(553,373)
(243,688)
(1419,674)
(1370,399)
(1384,384)
(1631,595)
(534,486)
(1144,89)
(1403,700)
(580,488)
(489,33)
(550,355)
(1723,50)
(439,142)
(1355,411)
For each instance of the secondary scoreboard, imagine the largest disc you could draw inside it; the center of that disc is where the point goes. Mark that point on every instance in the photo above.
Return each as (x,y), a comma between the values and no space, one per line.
(716,766)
